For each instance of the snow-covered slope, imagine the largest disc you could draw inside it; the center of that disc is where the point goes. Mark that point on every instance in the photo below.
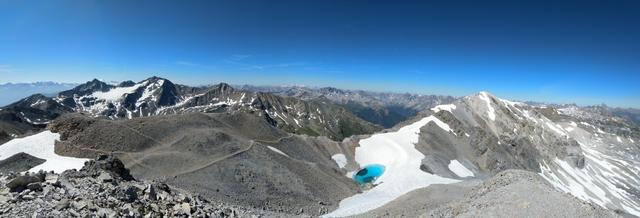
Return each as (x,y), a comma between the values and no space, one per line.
(481,135)
(395,151)
(41,145)
(610,176)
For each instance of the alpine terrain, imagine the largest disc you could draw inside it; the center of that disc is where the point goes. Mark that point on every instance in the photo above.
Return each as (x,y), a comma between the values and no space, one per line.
(154,148)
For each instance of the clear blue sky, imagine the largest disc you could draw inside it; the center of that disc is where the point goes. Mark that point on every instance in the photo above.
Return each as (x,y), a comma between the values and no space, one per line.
(586,52)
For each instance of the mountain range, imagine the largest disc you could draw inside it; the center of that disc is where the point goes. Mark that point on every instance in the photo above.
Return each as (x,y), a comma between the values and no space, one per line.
(11,92)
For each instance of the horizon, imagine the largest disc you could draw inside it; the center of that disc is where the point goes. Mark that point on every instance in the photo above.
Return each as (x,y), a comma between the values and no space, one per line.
(526,101)
(549,52)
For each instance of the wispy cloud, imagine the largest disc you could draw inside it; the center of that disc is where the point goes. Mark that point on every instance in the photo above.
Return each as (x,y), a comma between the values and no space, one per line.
(239,57)
(270,66)
(187,63)
(5,68)
(240,60)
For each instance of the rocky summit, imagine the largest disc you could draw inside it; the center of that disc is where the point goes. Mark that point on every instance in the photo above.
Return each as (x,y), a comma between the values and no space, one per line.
(104,188)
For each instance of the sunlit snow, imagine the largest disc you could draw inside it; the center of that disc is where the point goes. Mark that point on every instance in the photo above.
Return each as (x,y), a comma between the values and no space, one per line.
(459,169)
(41,145)
(340,159)
(491,111)
(446,107)
(277,151)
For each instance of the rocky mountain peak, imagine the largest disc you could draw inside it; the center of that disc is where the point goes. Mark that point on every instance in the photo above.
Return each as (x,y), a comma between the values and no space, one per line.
(127,83)
(94,85)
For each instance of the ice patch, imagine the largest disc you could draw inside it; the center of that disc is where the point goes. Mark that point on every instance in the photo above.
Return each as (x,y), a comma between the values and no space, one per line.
(41,145)
(116,93)
(459,169)
(340,159)
(491,112)
(396,151)
(555,129)
(277,151)
(446,107)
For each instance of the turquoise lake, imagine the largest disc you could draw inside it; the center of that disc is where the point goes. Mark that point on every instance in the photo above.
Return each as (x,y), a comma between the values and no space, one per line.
(369,173)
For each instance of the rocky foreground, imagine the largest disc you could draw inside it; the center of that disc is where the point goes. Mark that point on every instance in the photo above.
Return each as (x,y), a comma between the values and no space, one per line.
(103,188)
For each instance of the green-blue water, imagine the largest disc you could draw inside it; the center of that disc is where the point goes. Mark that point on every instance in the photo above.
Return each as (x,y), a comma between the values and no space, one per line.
(368,174)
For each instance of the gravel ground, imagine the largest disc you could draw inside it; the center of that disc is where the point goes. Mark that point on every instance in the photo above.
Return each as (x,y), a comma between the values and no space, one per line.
(518,193)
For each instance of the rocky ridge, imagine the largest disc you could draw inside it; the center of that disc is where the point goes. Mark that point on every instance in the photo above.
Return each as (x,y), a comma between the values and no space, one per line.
(104,188)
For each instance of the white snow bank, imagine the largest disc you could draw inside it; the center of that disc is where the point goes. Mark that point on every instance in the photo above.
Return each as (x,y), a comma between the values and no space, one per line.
(555,129)
(491,112)
(340,159)
(446,107)
(396,151)
(277,151)
(459,169)
(41,145)
(116,93)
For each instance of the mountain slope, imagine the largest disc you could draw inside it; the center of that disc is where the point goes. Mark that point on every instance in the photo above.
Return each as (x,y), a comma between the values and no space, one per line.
(486,135)
(236,157)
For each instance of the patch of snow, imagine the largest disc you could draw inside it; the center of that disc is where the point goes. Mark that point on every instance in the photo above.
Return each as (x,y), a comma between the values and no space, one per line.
(340,159)
(491,112)
(588,124)
(148,93)
(466,134)
(41,145)
(512,103)
(618,138)
(277,151)
(116,93)
(396,151)
(38,103)
(446,107)
(601,180)
(574,124)
(459,169)
(555,129)
(631,140)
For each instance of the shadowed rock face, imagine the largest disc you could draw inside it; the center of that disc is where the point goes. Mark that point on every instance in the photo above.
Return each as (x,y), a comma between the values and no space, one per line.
(104,163)
(19,162)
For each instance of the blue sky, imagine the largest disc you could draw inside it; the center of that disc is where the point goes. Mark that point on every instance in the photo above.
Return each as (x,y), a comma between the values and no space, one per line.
(585,52)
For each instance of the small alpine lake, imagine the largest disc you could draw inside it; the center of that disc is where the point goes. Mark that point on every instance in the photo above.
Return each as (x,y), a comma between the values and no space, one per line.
(368,174)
